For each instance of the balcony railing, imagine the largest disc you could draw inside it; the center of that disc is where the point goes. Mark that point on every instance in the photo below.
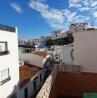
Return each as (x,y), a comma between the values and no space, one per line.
(70,68)
(7,28)
(45,90)
(4,53)
(4,81)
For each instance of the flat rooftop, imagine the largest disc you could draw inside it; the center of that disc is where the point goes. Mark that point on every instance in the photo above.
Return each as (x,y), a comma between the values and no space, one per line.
(26,73)
(7,28)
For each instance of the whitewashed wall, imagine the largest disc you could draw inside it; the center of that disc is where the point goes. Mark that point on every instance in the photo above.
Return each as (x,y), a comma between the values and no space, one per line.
(85,50)
(32,58)
(30,86)
(66,55)
(9,61)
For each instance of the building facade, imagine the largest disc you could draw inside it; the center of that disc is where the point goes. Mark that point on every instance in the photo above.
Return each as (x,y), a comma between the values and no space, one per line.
(78,27)
(85,50)
(9,68)
(58,34)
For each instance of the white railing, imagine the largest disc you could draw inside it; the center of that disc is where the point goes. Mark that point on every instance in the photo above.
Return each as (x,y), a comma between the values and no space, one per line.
(45,90)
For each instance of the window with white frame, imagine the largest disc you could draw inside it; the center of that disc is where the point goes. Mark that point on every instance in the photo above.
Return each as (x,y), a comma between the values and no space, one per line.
(3,48)
(5,76)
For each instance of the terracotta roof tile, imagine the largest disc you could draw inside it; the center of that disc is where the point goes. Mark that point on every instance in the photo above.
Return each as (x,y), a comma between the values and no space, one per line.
(40,53)
(26,73)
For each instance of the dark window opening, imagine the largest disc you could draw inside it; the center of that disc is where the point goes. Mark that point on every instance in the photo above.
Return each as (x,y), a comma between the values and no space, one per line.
(4,48)
(40,77)
(34,84)
(26,92)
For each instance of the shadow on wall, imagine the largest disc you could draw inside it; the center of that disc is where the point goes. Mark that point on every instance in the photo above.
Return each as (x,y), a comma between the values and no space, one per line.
(14,91)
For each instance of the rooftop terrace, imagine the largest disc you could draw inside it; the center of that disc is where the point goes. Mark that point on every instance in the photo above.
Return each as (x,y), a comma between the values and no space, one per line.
(7,28)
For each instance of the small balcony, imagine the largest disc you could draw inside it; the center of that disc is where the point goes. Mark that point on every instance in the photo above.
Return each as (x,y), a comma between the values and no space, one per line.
(5,80)
(4,53)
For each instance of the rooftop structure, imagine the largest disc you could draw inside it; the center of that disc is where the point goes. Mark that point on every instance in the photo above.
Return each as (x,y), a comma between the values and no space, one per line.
(7,28)
(58,34)
(78,27)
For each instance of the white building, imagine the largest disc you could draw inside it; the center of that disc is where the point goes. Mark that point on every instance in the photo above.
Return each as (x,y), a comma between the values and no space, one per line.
(85,50)
(58,34)
(37,58)
(78,27)
(32,72)
(9,68)
(62,53)
(31,78)
(67,54)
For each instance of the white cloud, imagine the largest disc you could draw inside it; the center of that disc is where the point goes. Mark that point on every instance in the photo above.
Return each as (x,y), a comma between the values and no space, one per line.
(84,9)
(37,5)
(95,14)
(86,2)
(83,5)
(87,6)
(60,19)
(16,7)
(71,16)
(81,18)
(53,16)
(74,3)
(94,4)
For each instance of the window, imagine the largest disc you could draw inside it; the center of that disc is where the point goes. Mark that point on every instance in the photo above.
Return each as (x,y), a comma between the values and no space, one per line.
(72,54)
(5,77)
(34,84)
(40,77)
(3,48)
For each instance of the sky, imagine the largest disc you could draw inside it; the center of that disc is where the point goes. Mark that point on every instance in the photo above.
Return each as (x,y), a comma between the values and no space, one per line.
(35,18)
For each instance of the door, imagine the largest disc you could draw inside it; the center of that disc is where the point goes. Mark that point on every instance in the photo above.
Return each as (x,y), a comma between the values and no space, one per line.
(26,92)
(34,84)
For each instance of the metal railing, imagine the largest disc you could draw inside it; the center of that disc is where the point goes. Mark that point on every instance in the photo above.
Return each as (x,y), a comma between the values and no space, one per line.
(7,28)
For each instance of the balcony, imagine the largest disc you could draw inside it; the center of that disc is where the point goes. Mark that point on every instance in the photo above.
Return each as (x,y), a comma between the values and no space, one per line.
(5,80)
(4,53)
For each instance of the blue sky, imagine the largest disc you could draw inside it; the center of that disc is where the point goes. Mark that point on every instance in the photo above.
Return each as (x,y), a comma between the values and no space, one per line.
(35,18)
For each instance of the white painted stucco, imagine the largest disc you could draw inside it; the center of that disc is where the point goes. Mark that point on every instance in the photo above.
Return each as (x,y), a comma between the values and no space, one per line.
(58,34)
(85,50)
(30,85)
(32,59)
(66,54)
(9,61)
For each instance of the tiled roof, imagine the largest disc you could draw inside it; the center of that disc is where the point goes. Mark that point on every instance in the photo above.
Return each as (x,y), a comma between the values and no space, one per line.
(26,73)
(40,53)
